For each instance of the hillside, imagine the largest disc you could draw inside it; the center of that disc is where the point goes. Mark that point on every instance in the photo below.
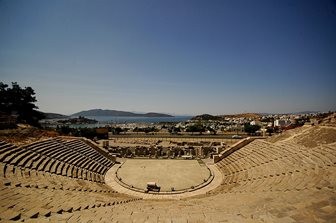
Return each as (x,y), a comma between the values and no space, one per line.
(243,115)
(310,136)
(206,117)
(54,115)
(106,112)
(25,134)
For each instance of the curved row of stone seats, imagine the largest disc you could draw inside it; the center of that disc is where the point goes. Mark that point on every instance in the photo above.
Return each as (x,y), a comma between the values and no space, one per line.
(25,158)
(86,150)
(264,171)
(323,155)
(54,157)
(263,166)
(29,194)
(58,149)
(81,147)
(15,176)
(255,153)
(31,186)
(247,207)
(151,211)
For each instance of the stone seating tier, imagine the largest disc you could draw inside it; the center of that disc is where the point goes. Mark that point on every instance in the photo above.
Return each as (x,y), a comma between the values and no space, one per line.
(263,182)
(31,194)
(47,178)
(58,151)
(263,166)
(85,149)
(55,157)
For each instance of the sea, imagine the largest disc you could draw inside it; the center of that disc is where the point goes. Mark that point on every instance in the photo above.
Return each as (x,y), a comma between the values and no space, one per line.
(106,120)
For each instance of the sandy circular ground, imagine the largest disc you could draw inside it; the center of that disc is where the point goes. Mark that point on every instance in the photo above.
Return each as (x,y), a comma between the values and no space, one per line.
(180,174)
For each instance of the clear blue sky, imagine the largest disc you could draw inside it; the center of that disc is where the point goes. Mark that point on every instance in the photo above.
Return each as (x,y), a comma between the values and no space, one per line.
(174,56)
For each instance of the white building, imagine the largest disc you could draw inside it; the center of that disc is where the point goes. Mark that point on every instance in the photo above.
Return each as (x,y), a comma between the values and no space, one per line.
(281,123)
(256,123)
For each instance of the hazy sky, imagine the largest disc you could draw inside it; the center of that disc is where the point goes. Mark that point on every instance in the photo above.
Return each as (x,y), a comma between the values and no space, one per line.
(180,57)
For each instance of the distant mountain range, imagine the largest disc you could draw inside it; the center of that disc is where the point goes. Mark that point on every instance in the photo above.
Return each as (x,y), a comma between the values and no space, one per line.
(106,112)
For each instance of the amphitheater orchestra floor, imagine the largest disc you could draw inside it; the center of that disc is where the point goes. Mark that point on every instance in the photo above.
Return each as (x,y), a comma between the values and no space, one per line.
(110,179)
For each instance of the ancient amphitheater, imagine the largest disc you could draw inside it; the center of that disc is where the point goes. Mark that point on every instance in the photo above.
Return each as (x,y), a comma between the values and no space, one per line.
(290,178)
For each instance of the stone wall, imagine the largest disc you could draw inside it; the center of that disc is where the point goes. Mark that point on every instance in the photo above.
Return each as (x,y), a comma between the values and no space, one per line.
(233,148)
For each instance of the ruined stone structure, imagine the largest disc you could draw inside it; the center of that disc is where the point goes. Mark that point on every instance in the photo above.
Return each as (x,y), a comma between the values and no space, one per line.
(196,149)
(65,180)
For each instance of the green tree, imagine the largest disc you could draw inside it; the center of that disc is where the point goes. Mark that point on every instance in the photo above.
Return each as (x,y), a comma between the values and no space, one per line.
(270,131)
(64,130)
(251,129)
(174,130)
(211,130)
(198,127)
(20,101)
(117,130)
